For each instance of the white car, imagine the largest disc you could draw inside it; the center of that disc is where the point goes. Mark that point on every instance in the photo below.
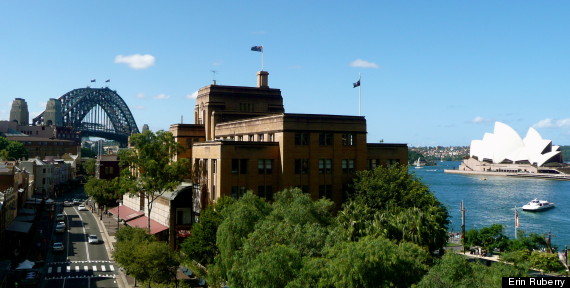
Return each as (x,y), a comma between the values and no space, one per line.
(58,247)
(60,227)
(92,239)
(81,208)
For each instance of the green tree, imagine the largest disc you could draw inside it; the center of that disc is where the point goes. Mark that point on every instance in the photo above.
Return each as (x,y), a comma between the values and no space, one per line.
(456,271)
(488,237)
(402,207)
(152,170)
(145,258)
(88,153)
(239,221)
(374,262)
(104,192)
(200,246)
(12,150)
(545,261)
(89,166)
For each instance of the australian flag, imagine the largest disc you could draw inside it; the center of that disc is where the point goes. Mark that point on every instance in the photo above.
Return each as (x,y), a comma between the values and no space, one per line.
(257,48)
(356,84)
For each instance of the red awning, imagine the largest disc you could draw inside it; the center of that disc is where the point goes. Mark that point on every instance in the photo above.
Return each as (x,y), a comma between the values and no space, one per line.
(142,222)
(125,212)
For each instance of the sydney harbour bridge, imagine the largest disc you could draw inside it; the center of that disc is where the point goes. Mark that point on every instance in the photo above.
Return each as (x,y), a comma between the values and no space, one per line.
(97,112)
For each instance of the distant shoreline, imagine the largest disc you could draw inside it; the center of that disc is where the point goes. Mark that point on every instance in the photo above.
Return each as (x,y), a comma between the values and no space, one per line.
(548,176)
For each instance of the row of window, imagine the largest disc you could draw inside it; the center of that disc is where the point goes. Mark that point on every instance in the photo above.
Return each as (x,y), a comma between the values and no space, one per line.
(251,137)
(266,192)
(325,138)
(265,166)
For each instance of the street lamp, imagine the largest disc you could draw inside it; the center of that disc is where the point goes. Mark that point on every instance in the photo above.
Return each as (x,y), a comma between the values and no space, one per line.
(119,212)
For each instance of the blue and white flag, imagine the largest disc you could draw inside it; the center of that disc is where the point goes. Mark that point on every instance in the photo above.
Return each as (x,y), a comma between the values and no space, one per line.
(257,48)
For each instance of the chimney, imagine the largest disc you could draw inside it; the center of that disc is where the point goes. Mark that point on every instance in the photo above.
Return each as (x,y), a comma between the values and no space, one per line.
(262,79)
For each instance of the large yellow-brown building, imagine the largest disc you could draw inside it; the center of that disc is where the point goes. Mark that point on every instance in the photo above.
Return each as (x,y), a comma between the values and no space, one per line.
(243,140)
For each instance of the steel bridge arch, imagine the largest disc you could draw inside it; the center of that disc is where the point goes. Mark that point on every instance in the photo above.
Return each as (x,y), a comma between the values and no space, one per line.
(98,112)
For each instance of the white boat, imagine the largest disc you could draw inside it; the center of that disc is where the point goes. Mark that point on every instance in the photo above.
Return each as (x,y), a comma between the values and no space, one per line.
(537,205)
(418,163)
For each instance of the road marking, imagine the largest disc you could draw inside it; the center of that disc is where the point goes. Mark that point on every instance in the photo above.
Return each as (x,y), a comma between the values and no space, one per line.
(68,268)
(86,268)
(112,268)
(77,269)
(49,270)
(103,268)
(94,268)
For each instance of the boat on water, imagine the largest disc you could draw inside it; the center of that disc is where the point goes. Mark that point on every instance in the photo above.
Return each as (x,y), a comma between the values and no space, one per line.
(418,163)
(538,205)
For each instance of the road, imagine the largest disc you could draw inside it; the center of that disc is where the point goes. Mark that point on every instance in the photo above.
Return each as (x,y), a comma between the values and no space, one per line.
(80,264)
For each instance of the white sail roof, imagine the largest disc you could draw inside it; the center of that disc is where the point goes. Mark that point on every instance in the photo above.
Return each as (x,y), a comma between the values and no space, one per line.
(505,144)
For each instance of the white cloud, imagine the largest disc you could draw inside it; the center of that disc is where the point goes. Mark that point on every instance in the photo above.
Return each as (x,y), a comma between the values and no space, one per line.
(552,123)
(479,119)
(194,95)
(138,107)
(161,96)
(140,96)
(363,64)
(136,61)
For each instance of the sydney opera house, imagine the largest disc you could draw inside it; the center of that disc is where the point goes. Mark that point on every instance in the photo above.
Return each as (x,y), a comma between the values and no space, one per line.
(504,151)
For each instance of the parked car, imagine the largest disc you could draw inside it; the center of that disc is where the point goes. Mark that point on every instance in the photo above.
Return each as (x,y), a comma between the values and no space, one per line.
(60,227)
(92,239)
(60,217)
(58,247)
(67,203)
(82,208)
(76,201)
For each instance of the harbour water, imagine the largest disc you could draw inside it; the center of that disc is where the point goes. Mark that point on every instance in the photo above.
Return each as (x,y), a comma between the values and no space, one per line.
(491,200)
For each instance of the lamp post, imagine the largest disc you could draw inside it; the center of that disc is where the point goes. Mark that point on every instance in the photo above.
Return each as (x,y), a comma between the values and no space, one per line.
(119,212)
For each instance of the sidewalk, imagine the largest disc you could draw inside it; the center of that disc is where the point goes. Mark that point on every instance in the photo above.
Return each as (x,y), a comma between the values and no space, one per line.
(108,226)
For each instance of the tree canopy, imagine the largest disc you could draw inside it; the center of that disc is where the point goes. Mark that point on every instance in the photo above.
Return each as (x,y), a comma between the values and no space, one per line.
(12,150)
(151,170)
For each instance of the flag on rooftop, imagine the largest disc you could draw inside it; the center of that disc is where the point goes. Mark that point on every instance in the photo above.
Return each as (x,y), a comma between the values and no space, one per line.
(356,84)
(92,80)
(257,48)
(108,80)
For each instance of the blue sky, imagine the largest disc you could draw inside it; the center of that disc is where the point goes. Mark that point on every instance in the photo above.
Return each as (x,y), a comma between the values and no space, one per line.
(433,72)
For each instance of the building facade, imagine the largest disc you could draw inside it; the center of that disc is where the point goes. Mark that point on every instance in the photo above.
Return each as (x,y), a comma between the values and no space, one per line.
(243,140)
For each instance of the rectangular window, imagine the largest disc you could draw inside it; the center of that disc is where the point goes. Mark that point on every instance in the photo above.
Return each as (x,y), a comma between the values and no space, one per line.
(265,166)
(214,166)
(250,137)
(325,166)
(325,191)
(271,137)
(347,166)
(240,138)
(265,192)
(301,138)
(239,166)
(348,139)
(301,166)
(325,139)
(238,192)
(373,163)
(260,137)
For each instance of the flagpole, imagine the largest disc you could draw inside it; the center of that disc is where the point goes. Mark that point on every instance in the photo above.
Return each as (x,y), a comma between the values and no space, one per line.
(262,58)
(516,221)
(359,94)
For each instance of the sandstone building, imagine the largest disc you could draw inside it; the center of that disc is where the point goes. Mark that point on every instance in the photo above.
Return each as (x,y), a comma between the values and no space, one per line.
(243,140)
